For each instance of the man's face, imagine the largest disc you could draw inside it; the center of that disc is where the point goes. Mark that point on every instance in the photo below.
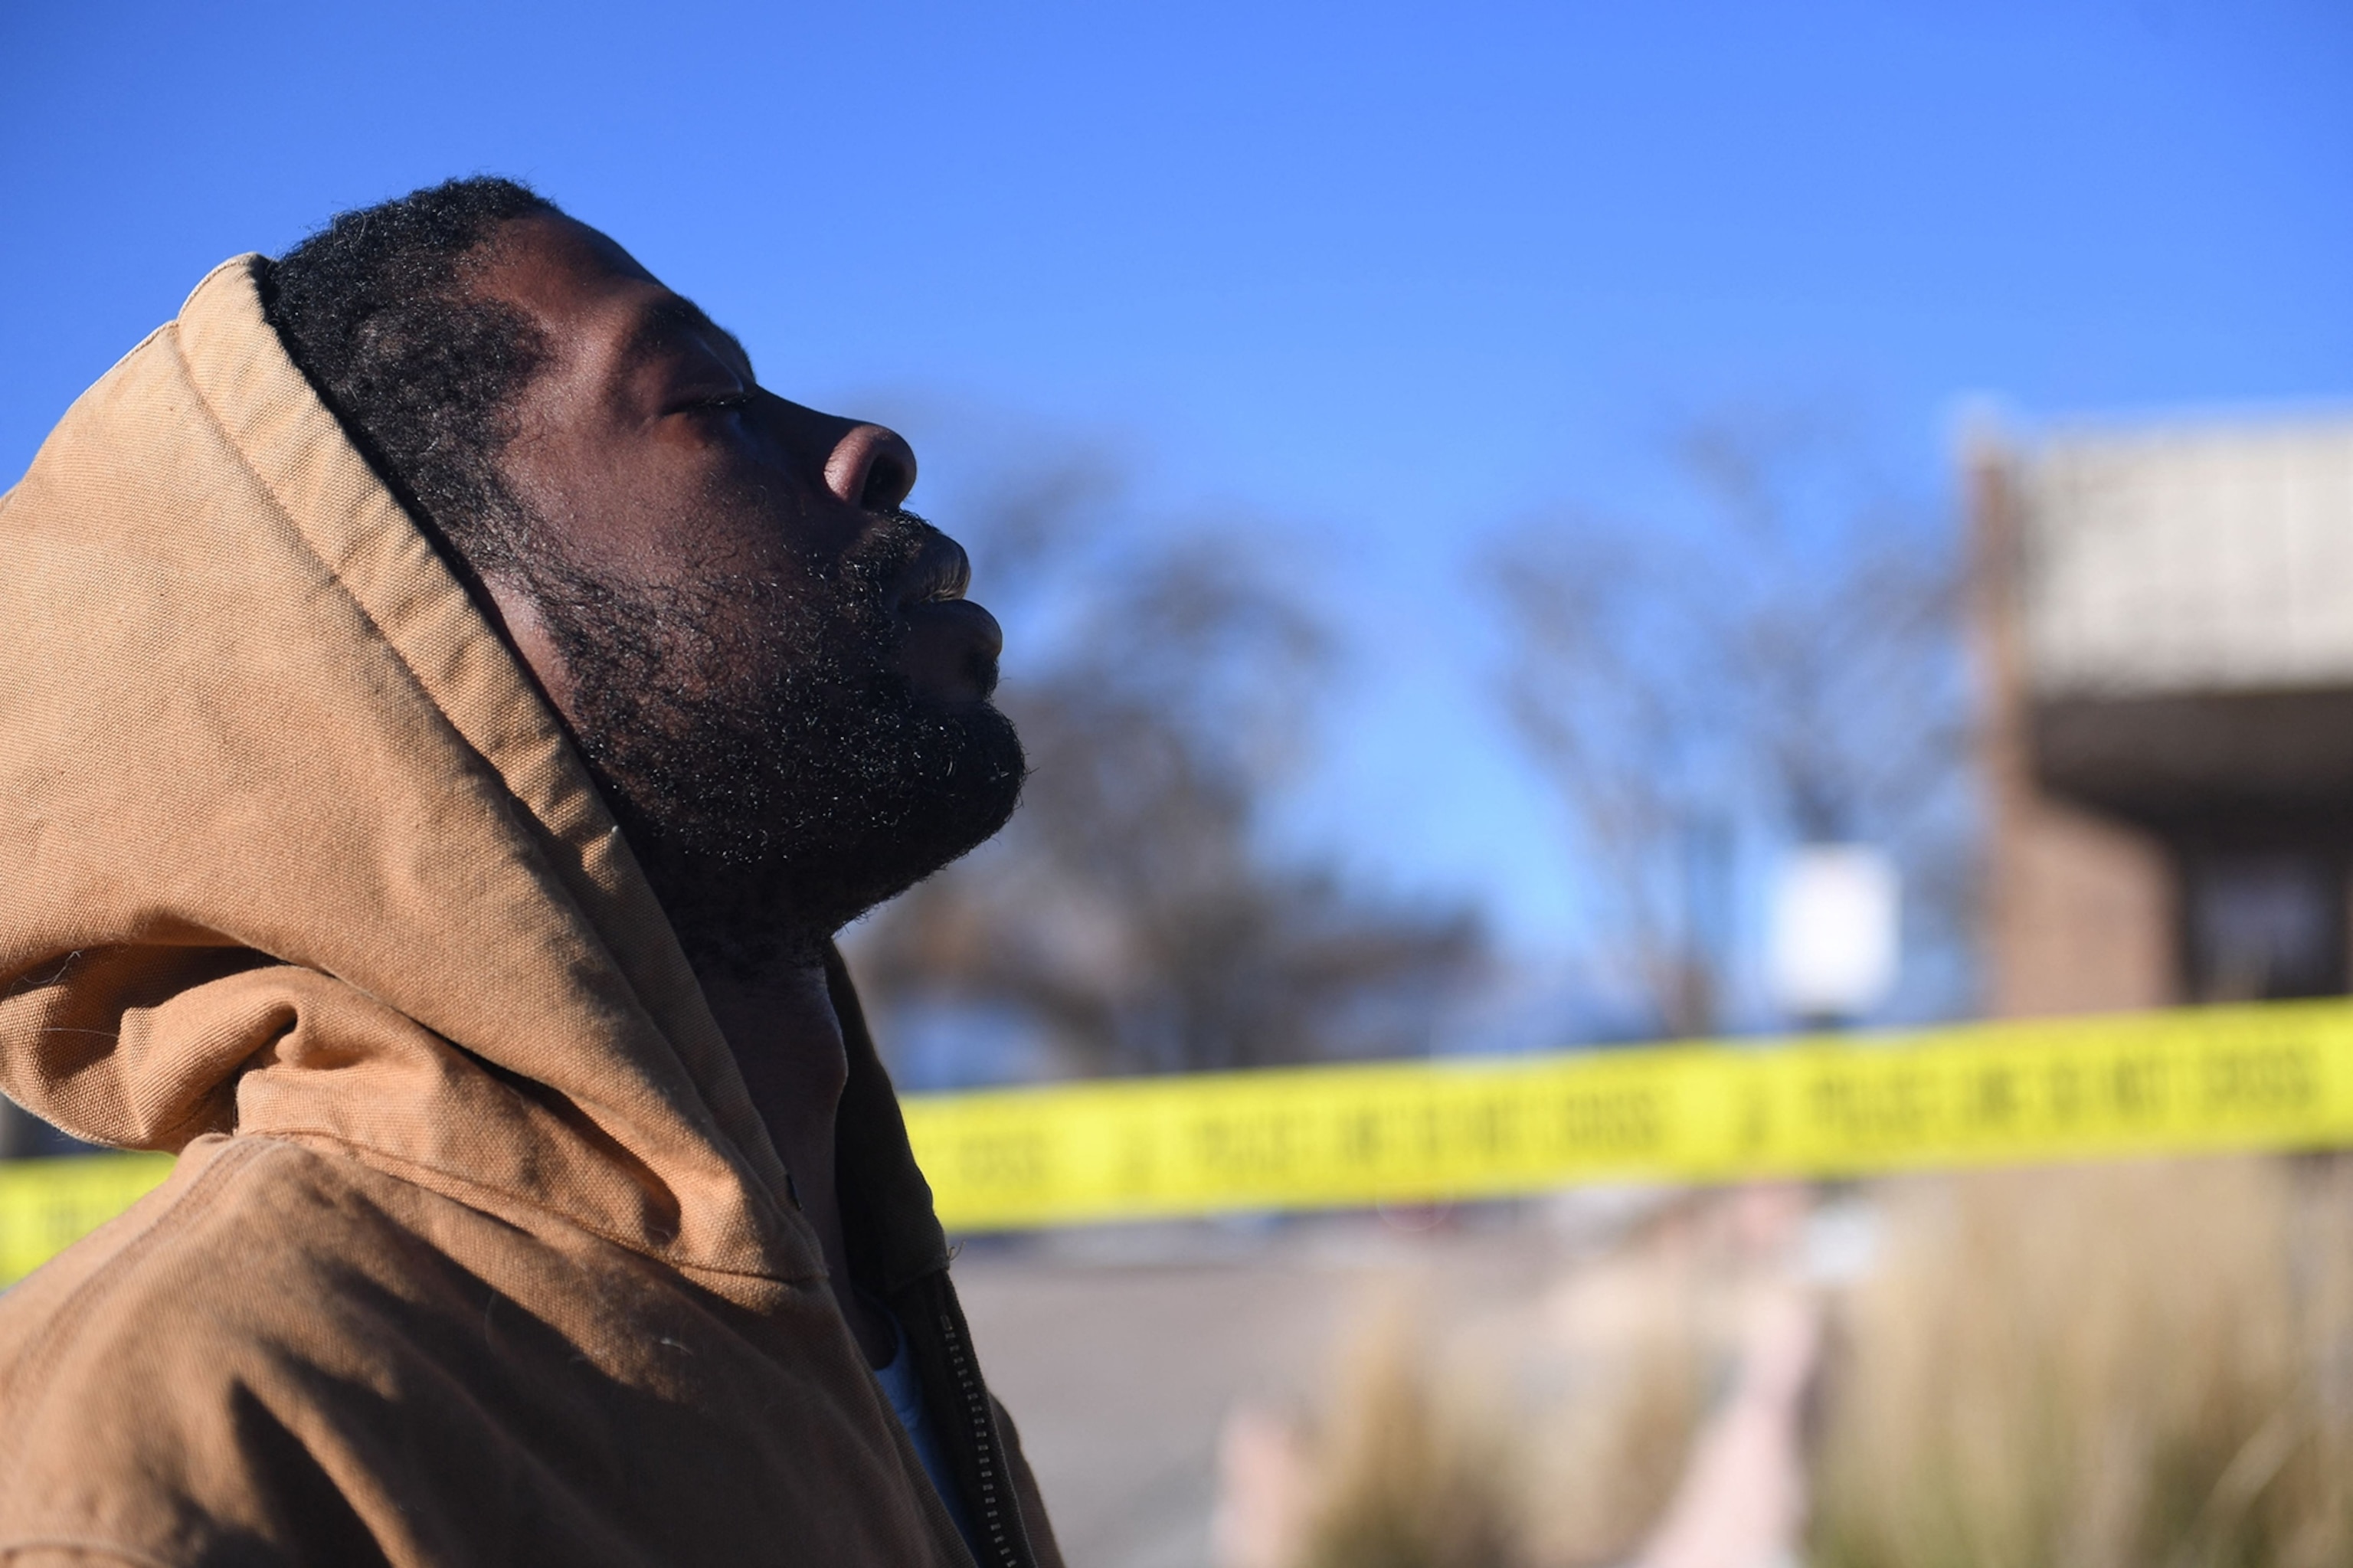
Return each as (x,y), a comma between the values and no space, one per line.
(769,664)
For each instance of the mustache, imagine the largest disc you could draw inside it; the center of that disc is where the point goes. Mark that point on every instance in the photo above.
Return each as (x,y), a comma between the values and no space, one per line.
(905,557)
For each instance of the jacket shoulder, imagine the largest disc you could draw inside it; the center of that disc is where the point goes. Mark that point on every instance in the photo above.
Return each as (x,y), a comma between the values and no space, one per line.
(177,1387)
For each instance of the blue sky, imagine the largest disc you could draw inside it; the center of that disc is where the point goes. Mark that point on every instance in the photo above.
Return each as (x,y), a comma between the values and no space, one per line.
(1397,275)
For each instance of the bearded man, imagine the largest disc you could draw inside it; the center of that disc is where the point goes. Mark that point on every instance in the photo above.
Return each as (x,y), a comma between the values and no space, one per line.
(447,708)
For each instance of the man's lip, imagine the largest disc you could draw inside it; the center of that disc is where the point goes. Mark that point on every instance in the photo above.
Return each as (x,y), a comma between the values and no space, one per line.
(963,618)
(950,648)
(940,571)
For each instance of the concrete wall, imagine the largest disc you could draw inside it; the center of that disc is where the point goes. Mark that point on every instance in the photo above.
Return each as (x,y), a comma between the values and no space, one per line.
(2188,559)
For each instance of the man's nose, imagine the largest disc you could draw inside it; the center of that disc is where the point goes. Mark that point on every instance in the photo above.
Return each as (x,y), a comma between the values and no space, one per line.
(871,468)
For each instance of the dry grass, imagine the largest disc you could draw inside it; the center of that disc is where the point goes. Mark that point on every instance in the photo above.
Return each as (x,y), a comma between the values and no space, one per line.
(1547,1434)
(2137,1365)
(1609,1406)
(1405,1477)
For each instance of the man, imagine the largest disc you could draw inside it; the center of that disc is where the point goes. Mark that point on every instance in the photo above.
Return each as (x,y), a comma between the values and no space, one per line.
(447,707)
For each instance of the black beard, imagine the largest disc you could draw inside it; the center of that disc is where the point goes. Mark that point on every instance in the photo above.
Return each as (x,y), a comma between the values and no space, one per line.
(776,775)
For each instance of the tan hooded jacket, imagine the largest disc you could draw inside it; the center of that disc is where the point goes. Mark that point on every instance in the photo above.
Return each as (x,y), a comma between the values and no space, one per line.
(477,1251)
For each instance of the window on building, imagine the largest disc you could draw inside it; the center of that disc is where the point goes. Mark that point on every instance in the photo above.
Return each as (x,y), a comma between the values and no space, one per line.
(2265,924)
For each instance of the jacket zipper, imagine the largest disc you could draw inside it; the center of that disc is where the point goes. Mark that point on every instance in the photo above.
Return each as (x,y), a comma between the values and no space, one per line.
(1001,1535)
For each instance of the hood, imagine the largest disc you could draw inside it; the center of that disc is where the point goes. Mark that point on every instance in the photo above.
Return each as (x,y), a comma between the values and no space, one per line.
(291,845)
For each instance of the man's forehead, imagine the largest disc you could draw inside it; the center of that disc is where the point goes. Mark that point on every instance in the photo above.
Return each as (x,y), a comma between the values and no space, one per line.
(557,265)
(579,281)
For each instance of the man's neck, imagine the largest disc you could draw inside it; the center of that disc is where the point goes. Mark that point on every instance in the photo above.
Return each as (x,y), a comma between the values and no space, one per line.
(788,1045)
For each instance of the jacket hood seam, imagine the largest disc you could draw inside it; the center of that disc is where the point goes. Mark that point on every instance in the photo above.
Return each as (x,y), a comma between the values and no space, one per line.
(386,1161)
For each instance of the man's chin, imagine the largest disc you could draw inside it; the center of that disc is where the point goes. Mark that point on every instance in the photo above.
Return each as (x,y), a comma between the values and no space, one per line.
(848,848)
(962,806)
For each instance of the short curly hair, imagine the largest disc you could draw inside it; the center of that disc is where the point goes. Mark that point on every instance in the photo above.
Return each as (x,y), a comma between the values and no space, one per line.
(374,308)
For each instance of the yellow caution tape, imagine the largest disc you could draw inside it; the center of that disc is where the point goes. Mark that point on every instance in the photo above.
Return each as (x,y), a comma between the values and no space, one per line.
(46,1205)
(2276,1076)
(2267,1077)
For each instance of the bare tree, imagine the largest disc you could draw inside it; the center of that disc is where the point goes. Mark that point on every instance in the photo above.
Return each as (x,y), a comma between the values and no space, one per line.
(1779,661)
(1133,913)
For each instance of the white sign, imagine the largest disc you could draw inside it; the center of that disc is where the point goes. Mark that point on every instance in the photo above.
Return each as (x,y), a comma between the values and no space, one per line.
(1832,945)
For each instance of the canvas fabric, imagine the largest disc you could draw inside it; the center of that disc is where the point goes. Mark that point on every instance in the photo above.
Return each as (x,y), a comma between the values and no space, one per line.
(476,1251)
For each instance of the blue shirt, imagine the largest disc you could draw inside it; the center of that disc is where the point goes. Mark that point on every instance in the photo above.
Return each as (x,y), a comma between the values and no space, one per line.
(905,1389)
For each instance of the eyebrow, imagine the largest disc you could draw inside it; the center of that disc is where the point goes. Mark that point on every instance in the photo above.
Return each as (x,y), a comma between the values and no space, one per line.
(670,317)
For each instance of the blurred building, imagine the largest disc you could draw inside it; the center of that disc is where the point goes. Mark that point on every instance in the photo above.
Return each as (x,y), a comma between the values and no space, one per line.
(2166,617)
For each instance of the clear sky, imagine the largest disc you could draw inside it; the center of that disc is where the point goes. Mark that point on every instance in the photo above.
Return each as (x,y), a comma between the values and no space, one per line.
(1400,274)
